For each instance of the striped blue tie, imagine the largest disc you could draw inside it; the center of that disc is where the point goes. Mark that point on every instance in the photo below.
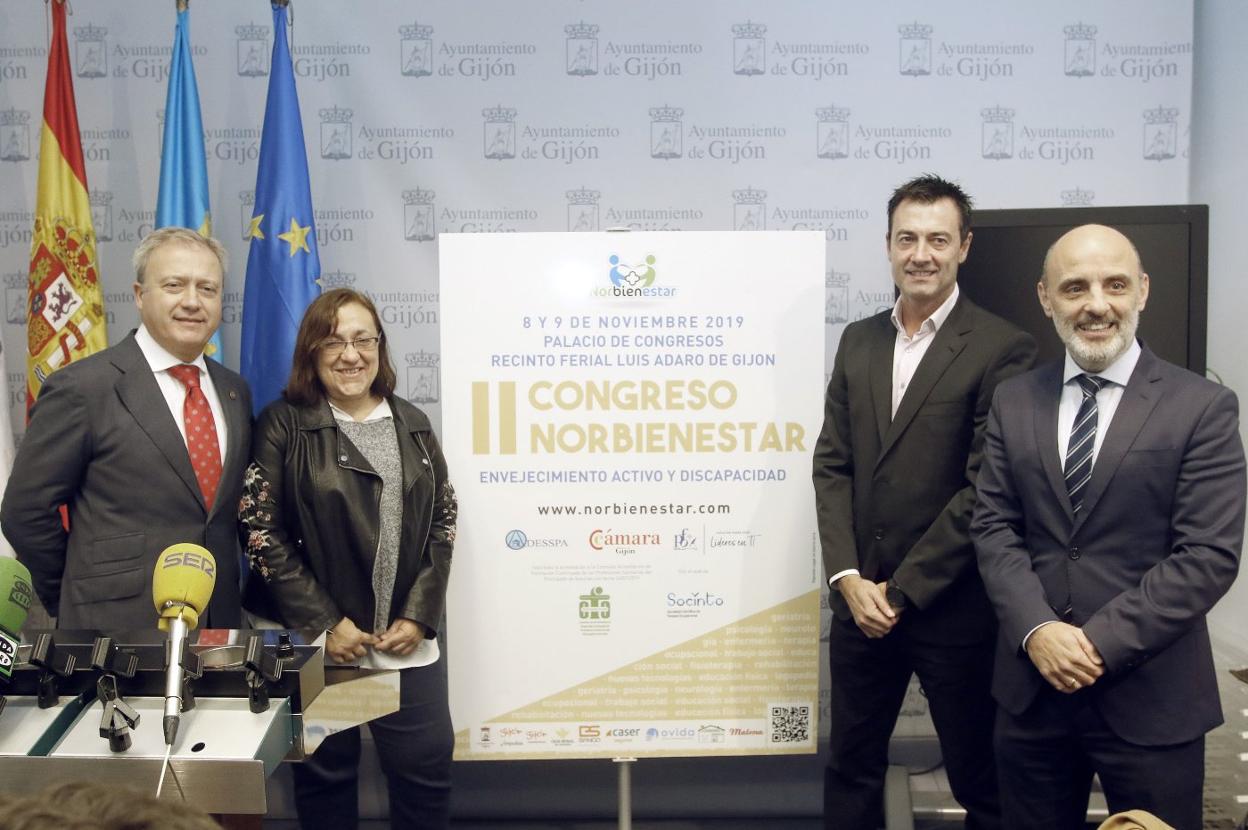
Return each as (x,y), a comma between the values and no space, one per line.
(1082,441)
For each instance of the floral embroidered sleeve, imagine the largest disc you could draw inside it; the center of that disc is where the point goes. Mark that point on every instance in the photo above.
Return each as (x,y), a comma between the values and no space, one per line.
(270,535)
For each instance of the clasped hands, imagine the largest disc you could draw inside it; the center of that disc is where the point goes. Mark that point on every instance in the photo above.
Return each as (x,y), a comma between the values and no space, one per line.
(346,642)
(874,616)
(1065,656)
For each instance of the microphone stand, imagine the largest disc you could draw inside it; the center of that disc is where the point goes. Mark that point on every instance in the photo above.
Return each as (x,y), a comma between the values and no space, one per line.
(181,666)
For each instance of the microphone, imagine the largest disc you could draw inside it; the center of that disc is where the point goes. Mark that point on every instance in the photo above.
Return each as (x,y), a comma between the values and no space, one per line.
(181,587)
(16,594)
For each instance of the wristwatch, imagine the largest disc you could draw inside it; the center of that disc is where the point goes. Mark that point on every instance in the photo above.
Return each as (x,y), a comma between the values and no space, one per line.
(895,597)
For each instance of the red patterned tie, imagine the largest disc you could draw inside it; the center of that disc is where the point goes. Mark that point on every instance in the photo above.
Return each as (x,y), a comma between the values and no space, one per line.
(201,433)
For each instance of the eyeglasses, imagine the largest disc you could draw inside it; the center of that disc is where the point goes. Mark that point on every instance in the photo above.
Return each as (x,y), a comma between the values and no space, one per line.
(361,344)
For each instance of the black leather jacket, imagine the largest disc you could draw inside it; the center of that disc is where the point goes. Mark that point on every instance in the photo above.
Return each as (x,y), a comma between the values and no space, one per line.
(310,519)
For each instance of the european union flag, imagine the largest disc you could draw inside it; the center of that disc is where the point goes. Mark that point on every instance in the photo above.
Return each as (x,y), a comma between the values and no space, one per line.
(282,264)
(183,196)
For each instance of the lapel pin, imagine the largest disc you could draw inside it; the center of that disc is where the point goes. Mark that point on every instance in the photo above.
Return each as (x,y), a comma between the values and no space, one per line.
(233,395)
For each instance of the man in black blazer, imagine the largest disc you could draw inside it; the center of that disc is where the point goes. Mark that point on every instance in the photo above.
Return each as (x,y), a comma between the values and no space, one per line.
(1110,519)
(894,474)
(106,438)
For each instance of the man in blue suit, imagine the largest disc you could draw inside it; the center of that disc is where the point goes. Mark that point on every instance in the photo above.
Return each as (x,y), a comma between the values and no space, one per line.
(1109,520)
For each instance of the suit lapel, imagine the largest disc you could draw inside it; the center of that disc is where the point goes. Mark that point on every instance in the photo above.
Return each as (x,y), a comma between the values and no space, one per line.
(880,371)
(1138,400)
(947,344)
(236,452)
(1046,432)
(141,396)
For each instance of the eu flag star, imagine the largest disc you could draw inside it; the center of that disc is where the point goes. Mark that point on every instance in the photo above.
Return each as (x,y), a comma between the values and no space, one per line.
(297,237)
(254,231)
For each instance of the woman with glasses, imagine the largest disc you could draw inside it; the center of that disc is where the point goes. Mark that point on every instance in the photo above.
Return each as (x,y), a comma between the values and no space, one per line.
(349,521)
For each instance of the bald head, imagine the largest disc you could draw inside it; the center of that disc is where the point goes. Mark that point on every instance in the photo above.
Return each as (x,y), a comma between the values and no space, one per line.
(1094,290)
(1085,243)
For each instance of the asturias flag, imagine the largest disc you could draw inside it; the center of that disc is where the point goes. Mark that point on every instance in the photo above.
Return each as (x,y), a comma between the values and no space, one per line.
(183,196)
(65,317)
(282,264)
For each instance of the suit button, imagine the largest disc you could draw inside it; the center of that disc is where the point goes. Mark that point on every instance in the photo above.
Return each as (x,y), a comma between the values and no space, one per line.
(879,534)
(1074,552)
(342,457)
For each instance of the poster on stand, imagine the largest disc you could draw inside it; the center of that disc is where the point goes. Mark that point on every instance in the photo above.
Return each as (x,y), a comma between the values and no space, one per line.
(629,420)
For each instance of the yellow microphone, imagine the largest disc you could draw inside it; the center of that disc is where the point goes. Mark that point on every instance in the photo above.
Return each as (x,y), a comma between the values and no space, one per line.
(181,587)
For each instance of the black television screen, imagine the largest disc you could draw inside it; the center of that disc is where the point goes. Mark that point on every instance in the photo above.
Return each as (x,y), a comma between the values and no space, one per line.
(1008,249)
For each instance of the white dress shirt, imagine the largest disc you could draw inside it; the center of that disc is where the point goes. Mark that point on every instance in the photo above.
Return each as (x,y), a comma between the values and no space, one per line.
(175,393)
(908,351)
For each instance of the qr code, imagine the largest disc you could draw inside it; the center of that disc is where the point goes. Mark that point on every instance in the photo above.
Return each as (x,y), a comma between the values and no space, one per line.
(790,724)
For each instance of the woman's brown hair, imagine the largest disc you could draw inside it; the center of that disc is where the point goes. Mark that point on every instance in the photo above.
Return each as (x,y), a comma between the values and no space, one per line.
(304,387)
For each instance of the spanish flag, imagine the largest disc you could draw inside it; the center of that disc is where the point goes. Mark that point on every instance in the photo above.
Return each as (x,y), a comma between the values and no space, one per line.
(65,316)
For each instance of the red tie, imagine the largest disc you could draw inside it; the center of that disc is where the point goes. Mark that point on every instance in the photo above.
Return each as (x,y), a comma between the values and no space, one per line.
(201,433)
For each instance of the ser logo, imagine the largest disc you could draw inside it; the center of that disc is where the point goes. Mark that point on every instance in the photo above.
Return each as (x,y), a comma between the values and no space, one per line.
(189,559)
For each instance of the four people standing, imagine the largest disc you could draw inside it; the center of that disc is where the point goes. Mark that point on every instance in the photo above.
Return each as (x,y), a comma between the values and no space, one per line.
(1108,521)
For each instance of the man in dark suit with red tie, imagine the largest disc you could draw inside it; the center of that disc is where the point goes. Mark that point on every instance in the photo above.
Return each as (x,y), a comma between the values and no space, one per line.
(145,443)
(1109,521)
(894,476)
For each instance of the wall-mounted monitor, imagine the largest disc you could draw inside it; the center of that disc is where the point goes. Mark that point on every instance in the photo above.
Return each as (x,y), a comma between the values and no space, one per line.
(1008,250)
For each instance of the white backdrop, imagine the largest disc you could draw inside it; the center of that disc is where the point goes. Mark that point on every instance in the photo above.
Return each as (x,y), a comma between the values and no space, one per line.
(504,115)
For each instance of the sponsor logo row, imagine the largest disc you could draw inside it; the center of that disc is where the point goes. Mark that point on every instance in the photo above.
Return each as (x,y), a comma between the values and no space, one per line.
(495,737)
(626,542)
